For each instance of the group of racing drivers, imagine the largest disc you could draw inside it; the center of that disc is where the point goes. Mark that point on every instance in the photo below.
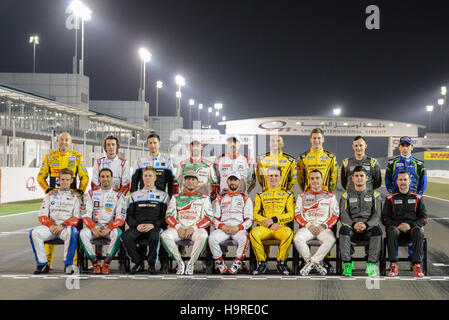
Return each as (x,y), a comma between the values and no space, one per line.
(169,209)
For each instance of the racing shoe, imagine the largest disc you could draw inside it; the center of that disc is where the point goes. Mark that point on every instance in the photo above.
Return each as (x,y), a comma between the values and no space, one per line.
(97,267)
(283,268)
(138,268)
(236,265)
(329,268)
(189,269)
(152,268)
(347,268)
(71,269)
(306,269)
(261,268)
(417,270)
(42,269)
(321,270)
(371,269)
(393,270)
(105,268)
(181,267)
(164,267)
(220,265)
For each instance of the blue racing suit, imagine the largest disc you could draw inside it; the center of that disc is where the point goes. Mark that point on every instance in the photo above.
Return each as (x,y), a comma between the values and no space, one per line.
(415,167)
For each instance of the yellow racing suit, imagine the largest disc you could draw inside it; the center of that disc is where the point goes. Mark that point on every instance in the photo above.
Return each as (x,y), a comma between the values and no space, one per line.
(322,160)
(284,161)
(54,162)
(279,205)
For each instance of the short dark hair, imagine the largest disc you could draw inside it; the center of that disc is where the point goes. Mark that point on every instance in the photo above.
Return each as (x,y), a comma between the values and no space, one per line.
(66,171)
(359,137)
(154,135)
(111,138)
(317,130)
(316,170)
(106,169)
(402,172)
(149,168)
(360,169)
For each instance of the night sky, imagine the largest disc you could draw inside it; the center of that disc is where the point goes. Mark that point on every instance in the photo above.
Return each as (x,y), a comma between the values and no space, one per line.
(259,58)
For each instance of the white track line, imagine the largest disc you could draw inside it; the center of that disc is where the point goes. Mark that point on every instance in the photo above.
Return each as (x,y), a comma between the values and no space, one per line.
(18,214)
(436,198)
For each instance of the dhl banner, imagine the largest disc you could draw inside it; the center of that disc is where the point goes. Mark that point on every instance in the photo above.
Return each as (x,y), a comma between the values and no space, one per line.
(430,155)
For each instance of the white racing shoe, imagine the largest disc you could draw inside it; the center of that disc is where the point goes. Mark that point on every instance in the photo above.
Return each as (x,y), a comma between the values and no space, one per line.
(307,268)
(181,267)
(189,268)
(322,270)
(71,269)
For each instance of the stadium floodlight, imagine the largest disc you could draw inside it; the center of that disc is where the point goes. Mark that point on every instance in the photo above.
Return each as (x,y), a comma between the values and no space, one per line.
(223,118)
(178,94)
(180,81)
(80,10)
(218,106)
(34,40)
(337,111)
(159,84)
(191,102)
(145,55)
(440,102)
(429,108)
(443,90)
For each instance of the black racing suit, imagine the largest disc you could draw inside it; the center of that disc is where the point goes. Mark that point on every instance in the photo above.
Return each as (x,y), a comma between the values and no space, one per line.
(145,207)
(405,208)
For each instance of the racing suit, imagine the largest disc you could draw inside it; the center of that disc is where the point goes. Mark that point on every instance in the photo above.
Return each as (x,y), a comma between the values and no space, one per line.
(232,209)
(405,208)
(369,164)
(104,209)
(322,160)
(145,207)
(52,164)
(187,210)
(279,205)
(207,178)
(415,167)
(315,209)
(364,206)
(164,172)
(287,164)
(241,163)
(63,208)
(120,173)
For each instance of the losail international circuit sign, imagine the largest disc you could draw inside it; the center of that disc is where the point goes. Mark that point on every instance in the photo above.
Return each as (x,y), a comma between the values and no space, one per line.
(302,126)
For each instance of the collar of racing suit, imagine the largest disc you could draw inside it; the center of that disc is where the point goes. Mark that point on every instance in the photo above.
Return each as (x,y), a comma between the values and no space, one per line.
(154,158)
(233,194)
(232,156)
(186,192)
(196,161)
(315,192)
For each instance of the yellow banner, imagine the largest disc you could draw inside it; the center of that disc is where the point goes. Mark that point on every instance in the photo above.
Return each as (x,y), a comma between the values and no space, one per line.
(429,155)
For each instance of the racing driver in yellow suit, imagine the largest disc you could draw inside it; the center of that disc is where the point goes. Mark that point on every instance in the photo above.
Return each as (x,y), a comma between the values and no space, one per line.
(317,159)
(284,161)
(54,162)
(274,208)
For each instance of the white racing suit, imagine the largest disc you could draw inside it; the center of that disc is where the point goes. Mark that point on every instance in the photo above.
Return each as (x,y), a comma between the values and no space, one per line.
(104,209)
(63,208)
(315,209)
(187,210)
(225,164)
(232,209)
(121,180)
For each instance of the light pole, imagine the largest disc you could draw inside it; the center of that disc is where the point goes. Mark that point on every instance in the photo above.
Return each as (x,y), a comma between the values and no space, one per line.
(441,103)
(223,118)
(200,107)
(180,81)
(80,10)
(34,40)
(209,111)
(337,112)
(443,106)
(217,113)
(191,104)
(145,56)
(429,109)
(159,85)
(84,143)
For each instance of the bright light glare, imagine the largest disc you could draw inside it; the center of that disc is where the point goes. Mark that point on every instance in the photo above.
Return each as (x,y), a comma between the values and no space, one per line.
(337,111)
(159,84)
(200,106)
(443,90)
(145,55)
(209,109)
(223,118)
(217,113)
(34,39)
(429,108)
(79,9)
(178,94)
(440,102)
(191,102)
(218,106)
(180,81)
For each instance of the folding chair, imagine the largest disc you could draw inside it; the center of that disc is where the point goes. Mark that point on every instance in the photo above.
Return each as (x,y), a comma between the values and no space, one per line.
(121,255)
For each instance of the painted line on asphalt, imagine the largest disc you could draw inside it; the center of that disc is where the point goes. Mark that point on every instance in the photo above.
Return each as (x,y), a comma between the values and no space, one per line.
(202,277)
(436,198)
(440,265)
(11,233)
(18,214)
